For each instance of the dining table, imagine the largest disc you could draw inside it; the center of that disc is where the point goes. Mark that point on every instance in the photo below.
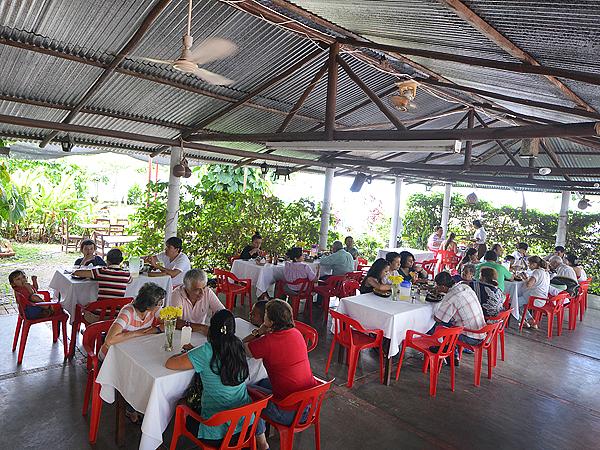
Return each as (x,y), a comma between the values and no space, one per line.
(134,371)
(394,317)
(513,288)
(73,291)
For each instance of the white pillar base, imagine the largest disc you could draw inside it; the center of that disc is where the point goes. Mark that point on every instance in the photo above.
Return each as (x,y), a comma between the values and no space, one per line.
(326,209)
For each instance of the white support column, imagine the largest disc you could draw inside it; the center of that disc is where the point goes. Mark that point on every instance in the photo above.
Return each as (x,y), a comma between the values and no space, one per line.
(395,229)
(173,195)
(446,208)
(561,231)
(326,209)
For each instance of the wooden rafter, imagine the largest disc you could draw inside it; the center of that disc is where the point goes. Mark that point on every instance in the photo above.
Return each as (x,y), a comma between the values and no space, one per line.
(468,15)
(469,144)
(110,69)
(332,87)
(510,156)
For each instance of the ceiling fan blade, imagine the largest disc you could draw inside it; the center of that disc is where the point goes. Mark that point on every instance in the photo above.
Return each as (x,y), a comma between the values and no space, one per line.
(211,77)
(157,61)
(211,50)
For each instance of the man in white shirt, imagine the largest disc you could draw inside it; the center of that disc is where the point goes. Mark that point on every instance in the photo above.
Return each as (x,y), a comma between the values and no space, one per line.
(171,262)
(479,238)
(560,269)
(521,256)
(435,239)
(198,302)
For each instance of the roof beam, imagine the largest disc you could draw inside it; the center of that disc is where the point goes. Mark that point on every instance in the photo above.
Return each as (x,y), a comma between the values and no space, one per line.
(469,144)
(510,156)
(553,157)
(475,134)
(108,71)
(508,98)
(585,77)
(469,16)
(332,88)
(258,90)
(374,98)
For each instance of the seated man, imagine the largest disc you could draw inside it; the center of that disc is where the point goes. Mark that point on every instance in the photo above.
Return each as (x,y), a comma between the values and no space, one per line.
(520,256)
(435,239)
(560,269)
(459,307)
(349,241)
(199,302)
(340,262)
(491,259)
(89,258)
(112,279)
(171,262)
(559,251)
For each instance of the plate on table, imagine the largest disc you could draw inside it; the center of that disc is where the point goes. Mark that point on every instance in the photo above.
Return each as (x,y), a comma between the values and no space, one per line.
(384,294)
(433,298)
(75,277)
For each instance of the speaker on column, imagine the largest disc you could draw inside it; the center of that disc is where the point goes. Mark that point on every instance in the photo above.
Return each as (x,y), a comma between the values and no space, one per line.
(358,182)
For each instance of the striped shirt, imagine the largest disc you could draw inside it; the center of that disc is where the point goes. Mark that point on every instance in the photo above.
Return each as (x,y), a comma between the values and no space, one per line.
(131,320)
(112,281)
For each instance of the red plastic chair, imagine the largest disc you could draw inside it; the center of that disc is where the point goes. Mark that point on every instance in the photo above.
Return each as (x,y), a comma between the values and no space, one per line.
(305,292)
(362,261)
(503,317)
(446,259)
(330,288)
(93,339)
(233,286)
(245,414)
(105,309)
(351,335)
(487,344)
(429,267)
(357,275)
(59,319)
(299,401)
(233,258)
(349,288)
(584,286)
(553,307)
(309,334)
(435,349)
(574,307)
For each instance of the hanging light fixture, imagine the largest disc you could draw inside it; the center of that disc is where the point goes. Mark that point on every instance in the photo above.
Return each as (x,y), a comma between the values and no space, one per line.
(264,169)
(544,171)
(67,144)
(584,203)
(472,198)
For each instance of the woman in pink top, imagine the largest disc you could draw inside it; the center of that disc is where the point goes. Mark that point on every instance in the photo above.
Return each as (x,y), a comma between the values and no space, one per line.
(296,269)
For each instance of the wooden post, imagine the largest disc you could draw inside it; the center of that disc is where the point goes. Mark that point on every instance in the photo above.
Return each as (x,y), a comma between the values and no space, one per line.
(332,82)
(469,145)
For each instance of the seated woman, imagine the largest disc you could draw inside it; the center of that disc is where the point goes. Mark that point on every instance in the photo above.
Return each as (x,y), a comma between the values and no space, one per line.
(394,259)
(536,284)
(571,260)
(252,250)
(89,258)
(408,269)
(449,244)
(467,274)
(223,368)
(289,371)
(375,277)
(469,258)
(138,318)
(490,297)
(296,269)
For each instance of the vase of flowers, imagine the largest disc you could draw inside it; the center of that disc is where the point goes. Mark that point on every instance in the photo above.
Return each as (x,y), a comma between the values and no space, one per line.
(169,315)
(396,280)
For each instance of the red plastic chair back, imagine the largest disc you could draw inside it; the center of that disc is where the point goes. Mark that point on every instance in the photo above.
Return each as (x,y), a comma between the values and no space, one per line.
(507,301)
(334,283)
(429,266)
(93,338)
(309,334)
(299,401)
(225,280)
(305,292)
(447,338)
(349,288)
(357,275)
(490,331)
(362,261)
(232,417)
(233,258)
(343,326)
(502,318)
(23,302)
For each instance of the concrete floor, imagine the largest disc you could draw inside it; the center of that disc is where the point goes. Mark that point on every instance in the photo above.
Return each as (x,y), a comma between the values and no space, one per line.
(544,396)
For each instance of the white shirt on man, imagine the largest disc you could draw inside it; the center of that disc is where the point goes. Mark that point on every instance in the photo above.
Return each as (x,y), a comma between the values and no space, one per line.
(480,236)
(565,271)
(434,241)
(181,263)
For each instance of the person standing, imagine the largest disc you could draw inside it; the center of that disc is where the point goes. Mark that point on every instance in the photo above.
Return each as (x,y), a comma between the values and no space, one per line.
(349,241)
(479,238)
(435,239)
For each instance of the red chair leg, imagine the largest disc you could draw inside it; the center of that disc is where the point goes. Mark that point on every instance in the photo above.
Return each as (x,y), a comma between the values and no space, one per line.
(400,361)
(559,321)
(477,365)
(17,331)
(317,435)
(325,307)
(502,344)
(88,392)
(96,410)
(330,356)
(55,331)
(65,339)
(74,331)
(550,320)
(452,373)
(179,425)
(490,355)
(229,301)
(286,439)
(352,363)
(23,342)
(433,377)
(381,363)
(525,311)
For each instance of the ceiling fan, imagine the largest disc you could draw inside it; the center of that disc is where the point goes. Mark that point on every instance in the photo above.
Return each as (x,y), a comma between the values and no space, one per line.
(210,50)
(407,91)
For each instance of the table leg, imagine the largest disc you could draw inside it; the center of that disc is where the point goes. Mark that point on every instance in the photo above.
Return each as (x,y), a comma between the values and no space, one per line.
(387,373)
(120,424)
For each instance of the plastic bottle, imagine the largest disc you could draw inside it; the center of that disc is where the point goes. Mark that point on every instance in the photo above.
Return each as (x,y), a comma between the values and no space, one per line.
(134,266)
(186,334)
(405,290)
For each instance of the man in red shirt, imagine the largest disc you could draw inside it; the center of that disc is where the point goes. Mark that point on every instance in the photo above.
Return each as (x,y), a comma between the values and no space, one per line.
(289,371)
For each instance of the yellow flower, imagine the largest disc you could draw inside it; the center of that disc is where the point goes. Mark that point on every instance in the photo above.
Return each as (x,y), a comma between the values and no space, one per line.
(396,279)
(171,312)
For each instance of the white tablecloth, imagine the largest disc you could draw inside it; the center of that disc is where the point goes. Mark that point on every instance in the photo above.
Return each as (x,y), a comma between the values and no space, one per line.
(513,288)
(136,368)
(420,255)
(263,277)
(73,292)
(393,317)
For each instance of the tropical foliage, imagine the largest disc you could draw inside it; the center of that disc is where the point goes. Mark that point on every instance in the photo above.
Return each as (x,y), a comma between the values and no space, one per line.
(223,177)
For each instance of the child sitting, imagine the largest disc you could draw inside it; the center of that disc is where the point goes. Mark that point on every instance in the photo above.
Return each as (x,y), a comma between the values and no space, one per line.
(257,315)
(28,291)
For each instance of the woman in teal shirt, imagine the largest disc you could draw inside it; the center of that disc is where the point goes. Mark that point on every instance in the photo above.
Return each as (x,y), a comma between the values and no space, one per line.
(223,368)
